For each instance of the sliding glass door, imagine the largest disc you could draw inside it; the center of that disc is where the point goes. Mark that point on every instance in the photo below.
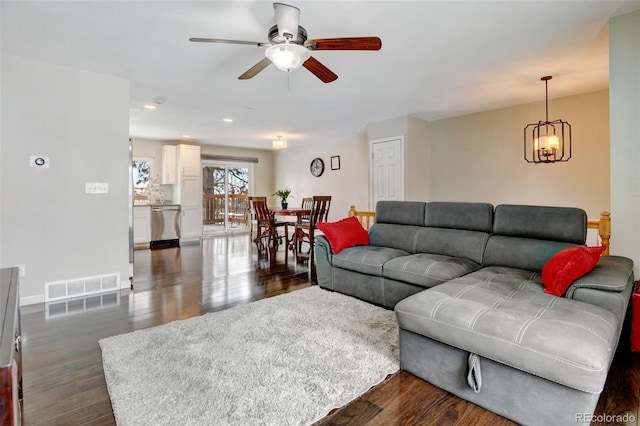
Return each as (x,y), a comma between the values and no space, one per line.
(225,196)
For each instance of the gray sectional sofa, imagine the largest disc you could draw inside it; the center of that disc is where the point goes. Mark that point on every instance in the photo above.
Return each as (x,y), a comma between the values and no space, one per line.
(465,282)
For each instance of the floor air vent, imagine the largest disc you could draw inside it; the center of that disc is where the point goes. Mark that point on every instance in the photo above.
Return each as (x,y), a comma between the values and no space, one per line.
(80,287)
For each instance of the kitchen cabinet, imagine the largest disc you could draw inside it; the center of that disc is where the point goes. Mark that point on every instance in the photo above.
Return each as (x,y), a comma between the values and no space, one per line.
(188,192)
(141,226)
(169,164)
(190,223)
(189,160)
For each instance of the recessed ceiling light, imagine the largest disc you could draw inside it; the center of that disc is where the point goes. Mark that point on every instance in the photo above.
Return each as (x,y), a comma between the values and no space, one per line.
(227,119)
(149,106)
(186,136)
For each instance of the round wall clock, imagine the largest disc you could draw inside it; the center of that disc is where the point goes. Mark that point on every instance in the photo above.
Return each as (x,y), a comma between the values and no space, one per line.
(317,167)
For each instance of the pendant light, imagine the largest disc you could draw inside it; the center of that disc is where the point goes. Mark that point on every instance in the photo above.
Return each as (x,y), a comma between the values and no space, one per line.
(547,141)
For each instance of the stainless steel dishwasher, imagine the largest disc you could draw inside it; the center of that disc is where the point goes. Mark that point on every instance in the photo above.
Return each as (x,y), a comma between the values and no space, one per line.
(165,226)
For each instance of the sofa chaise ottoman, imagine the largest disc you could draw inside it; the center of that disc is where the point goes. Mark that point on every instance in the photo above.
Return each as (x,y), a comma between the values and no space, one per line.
(486,331)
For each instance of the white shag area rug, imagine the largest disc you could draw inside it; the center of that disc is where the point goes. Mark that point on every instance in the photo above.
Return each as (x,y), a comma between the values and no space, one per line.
(285,360)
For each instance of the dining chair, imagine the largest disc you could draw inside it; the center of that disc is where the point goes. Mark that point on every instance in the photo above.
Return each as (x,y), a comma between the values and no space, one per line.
(305,232)
(267,236)
(307,204)
(251,212)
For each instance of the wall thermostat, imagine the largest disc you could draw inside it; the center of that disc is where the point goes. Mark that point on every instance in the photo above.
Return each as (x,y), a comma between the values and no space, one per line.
(39,161)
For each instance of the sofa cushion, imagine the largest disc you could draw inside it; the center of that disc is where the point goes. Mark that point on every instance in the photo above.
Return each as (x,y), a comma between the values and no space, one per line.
(568,265)
(451,242)
(366,259)
(502,314)
(566,224)
(401,237)
(427,270)
(344,233)
(456,215)
(521,253)
(400,212)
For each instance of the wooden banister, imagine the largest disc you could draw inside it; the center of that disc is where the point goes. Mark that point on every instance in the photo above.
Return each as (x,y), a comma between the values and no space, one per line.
(366,218)
(603,225)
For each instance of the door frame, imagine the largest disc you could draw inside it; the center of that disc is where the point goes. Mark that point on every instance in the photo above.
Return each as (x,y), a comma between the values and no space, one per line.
(226,165)
(372,175)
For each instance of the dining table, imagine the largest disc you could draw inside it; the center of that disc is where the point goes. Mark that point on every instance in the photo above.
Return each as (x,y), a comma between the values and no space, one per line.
(298,212)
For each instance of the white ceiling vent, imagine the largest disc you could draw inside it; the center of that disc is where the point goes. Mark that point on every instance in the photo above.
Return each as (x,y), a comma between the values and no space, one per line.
(56,290)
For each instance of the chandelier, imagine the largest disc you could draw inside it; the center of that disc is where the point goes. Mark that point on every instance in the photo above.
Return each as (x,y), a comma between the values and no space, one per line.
(547,141)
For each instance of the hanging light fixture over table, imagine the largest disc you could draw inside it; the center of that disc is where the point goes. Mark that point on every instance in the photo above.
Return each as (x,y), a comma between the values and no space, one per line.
(547,141)
(279,144)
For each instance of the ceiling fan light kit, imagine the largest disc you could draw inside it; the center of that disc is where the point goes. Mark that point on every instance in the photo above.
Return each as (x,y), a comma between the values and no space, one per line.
(289,48)
(288,56)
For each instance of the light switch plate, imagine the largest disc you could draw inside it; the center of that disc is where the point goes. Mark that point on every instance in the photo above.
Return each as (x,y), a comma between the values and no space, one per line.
(96,188)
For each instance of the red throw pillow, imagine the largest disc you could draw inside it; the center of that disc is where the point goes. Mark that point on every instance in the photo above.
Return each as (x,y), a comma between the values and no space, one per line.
(344,233)
(568,265)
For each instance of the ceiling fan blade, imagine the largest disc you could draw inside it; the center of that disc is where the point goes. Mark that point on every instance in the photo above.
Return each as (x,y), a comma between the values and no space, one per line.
(251,72)
(319,70)
(344,43)
(287,19)
(222,40)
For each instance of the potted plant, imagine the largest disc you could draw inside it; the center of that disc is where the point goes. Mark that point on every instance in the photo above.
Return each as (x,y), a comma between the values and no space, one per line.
(283,194)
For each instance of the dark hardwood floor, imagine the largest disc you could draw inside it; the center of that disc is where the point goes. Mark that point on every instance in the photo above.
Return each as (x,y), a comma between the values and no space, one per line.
(62,366)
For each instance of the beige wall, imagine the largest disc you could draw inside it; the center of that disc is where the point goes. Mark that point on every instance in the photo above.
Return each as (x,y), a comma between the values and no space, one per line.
(347,186)
(416,157)
(479,157)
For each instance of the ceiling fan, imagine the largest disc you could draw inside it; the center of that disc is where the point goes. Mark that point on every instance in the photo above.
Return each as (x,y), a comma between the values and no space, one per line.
(288,47)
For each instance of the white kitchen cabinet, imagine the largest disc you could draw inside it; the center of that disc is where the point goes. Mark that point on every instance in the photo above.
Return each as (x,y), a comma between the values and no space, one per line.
(191,223)
(188,192)
(189,160)
(141,226)
(169,164)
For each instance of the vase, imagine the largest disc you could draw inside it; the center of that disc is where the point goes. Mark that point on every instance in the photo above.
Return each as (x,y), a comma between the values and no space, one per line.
(284,205)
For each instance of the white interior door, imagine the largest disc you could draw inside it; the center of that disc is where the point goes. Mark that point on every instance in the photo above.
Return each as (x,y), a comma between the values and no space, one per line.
(387,170)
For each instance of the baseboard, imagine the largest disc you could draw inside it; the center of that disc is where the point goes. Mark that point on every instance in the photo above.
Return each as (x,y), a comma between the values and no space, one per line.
(190,241)
(39,298)
(32,300)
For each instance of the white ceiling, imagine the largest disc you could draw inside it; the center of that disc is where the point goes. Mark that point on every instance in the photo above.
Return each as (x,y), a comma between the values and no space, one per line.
(438,59)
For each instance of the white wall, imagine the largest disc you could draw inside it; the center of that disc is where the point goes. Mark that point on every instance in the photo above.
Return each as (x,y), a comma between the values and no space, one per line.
(80,120)
(479,157)
(347,186)
(624,97)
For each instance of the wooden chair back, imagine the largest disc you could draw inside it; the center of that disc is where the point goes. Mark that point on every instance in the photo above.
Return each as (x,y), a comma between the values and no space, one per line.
(259,207)
(320,209)
(307,204)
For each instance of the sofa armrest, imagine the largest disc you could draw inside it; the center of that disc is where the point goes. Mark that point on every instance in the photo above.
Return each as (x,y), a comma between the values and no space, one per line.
(608,285)
(323,258)
(611,273)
